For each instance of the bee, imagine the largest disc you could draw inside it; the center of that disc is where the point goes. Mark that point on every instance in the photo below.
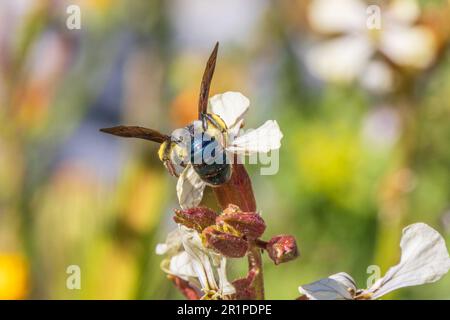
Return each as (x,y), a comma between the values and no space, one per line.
(203,152)
(199,144)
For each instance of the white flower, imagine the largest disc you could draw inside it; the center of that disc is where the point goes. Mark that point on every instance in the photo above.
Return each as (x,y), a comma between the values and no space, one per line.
(351,54)
(230,107)
(424,259)
(189,260)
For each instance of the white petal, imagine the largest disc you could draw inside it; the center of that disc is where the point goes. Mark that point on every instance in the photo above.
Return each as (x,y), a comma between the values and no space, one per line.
(178,263)
(340,60)
(201,258)
(233,133)
(181,266)
(409,46)
(337,16)
(424,259)
(190,188)
(405,11)
(161,248)
(230,106)
(172,244)
(196,263)
(265,138)
(378,77)
(225,286)
(340,286)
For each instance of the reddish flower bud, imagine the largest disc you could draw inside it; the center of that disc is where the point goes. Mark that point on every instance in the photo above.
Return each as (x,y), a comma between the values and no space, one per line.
(195,218)
(232,208)
(248,224)
(227,244)
(282,248)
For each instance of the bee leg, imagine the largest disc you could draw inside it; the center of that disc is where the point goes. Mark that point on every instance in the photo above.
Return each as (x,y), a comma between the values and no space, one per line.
(170,168)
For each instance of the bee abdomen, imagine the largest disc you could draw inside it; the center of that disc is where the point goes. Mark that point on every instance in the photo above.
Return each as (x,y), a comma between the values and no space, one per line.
(214,174)
(210,161)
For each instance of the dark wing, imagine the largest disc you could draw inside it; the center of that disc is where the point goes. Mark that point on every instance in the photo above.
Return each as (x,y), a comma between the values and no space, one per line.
(206,82)
(137,132)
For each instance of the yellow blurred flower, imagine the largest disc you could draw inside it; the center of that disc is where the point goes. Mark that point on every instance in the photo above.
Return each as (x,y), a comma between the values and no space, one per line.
(327,161)
(141,197)
(112,272)
(13,277)
(97,5)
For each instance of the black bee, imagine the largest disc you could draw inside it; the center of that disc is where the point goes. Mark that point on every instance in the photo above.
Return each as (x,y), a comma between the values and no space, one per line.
(200,144)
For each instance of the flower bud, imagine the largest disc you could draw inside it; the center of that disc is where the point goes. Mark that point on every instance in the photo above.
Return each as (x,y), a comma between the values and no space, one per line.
(282,248)
(226,244)
(195,218)
(248,224)
(232,208)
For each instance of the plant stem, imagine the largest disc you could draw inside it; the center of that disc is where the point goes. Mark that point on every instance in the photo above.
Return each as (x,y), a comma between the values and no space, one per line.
(239,191)
(185,288)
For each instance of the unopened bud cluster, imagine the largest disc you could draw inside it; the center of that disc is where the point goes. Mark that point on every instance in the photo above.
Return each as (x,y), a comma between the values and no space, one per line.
(231,232)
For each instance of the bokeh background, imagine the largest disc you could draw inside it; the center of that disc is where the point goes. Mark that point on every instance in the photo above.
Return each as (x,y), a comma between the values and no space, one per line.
(362,155)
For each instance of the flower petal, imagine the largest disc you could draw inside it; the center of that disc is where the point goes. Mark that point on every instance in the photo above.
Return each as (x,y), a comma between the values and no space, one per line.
(225,286)
(265,138)
(339,286)
(193,262)
(230,106)
(190,188)
(340,60)
(233,133)
(404,11)
(172,244)
(424,259)
(378,77)
(201,260)
(409,46)
(337,16)
(181,265)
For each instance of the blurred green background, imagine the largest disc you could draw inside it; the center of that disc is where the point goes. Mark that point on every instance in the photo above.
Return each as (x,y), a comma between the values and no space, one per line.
(355,167)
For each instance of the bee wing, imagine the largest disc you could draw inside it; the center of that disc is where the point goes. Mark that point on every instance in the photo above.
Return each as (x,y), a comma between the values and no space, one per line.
(206,82)
(136,132)
(262,140)
(190,188)
(339,286)
(230,107)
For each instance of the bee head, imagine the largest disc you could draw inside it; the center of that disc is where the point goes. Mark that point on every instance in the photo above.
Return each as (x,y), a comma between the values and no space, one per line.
(174,152)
